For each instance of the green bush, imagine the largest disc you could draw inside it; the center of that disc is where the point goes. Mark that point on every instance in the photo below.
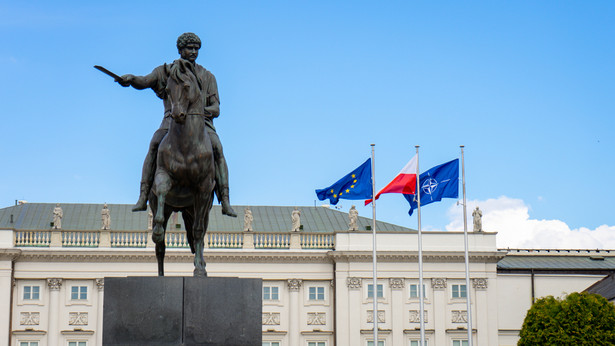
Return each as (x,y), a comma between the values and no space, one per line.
(578,319)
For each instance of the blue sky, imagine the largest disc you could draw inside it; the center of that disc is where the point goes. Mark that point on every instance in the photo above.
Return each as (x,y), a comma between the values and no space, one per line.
(307,86)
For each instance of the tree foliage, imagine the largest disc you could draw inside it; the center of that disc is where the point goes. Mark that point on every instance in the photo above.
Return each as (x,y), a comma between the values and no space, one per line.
(578,319)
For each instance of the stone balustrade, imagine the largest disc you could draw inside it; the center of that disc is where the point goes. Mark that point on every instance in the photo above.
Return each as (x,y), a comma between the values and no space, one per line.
(139,239)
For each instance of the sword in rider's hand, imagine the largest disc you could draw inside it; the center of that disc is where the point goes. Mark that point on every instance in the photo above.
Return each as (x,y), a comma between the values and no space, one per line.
(109,73)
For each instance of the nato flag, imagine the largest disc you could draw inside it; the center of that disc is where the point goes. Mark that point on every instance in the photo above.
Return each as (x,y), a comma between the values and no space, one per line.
(355,185)
(439,182)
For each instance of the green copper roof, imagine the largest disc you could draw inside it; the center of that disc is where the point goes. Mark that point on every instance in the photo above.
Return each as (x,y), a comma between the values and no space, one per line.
(561,262)
(38,216)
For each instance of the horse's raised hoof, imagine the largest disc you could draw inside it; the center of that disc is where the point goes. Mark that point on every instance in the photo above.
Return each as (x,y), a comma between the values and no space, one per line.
(199,273)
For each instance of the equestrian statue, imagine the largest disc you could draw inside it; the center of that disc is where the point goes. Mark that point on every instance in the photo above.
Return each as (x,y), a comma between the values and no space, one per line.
(185,164)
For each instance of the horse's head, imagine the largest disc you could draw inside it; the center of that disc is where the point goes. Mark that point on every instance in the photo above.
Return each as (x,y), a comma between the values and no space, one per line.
(183,91)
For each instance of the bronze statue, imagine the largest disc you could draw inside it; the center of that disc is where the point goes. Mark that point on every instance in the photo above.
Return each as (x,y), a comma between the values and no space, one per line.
(188,45)
(185,173)
(185,163)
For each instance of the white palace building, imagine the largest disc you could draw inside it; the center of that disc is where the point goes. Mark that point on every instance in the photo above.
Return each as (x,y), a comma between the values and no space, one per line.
(318,288)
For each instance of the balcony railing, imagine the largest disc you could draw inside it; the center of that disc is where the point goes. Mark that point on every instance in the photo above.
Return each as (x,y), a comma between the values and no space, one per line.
(32,238)
(140,239)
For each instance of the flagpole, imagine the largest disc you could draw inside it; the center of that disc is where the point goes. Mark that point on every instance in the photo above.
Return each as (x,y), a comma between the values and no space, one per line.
(467,257)
(421,290)
(375,273)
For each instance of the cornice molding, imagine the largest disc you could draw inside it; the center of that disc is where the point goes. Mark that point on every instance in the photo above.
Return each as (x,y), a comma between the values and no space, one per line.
(412,256)
(182,256)
(241,256)
(9,254)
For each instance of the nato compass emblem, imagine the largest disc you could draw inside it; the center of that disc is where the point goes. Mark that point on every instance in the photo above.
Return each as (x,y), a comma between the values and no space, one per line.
(429,186)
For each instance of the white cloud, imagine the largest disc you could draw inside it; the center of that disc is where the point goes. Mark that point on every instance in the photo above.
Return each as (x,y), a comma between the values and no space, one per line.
(511,219)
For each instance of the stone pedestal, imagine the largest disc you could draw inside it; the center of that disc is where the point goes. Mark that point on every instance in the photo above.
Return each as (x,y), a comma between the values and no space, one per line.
(182,311)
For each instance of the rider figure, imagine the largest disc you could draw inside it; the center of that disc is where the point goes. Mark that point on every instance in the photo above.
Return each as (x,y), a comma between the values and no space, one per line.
(188,45)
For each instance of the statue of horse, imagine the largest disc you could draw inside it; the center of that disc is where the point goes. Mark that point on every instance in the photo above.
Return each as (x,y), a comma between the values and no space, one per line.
(184,178)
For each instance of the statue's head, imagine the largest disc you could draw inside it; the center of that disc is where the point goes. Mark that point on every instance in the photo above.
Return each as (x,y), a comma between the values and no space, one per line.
(188,45)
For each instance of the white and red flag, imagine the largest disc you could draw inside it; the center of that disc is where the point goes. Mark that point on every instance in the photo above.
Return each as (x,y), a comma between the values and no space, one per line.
(404,182)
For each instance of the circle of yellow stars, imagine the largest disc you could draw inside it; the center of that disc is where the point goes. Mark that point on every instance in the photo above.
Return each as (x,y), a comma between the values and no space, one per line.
(347,190)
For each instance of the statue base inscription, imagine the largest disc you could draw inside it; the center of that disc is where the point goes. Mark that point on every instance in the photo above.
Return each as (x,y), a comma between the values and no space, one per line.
(182,311)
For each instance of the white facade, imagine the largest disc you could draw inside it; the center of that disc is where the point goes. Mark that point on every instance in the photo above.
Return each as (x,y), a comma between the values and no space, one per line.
(315,286)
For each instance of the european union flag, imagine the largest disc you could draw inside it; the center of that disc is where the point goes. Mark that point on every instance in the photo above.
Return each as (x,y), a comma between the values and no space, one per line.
(439,182)
(355,185)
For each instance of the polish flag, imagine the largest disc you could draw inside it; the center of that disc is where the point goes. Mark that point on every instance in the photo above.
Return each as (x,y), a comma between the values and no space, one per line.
(404,182)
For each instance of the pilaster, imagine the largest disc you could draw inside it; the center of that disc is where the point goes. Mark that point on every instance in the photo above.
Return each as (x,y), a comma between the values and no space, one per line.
(54,285)
(100,283)
(294,327)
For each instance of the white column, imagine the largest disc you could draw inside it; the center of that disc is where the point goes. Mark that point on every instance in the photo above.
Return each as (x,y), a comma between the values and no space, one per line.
(294,326)
(100,283)
(397,310)
(6,285)
(480,312)
(440,306)
(354,310)
(54,311)
(341,307)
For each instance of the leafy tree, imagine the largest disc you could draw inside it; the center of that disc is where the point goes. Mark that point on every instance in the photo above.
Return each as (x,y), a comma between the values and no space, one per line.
(578,319)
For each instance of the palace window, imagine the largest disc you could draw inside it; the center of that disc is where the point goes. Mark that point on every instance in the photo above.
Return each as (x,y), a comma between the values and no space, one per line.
(317,293)
(317,343)
(379,293)
(414,291)
(460,342)
(77,343)
(459,291)
(417,343)
(28,343)
(31,293)
(371,342)
(271,293)
(271,343)
(78,293)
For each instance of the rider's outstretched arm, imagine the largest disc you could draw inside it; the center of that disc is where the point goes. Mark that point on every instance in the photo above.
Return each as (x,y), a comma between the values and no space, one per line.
(139,82)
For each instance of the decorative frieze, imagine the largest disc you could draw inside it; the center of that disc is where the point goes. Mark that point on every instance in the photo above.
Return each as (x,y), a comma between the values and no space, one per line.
(78,318)
(30,318)
(294,284)
(54,284)
(479,283)
(316,318)
(100,283)
(370,316)
(438,283)
(271,318)
(353,282)
(415,318)
(396,283)
(459,316)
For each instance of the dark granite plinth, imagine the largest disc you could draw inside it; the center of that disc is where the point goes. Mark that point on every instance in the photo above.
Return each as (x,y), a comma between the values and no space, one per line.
(177,311)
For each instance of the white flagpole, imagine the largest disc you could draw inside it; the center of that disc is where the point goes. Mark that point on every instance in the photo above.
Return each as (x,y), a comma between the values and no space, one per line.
(421,293)
(375,273)
(467,256)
